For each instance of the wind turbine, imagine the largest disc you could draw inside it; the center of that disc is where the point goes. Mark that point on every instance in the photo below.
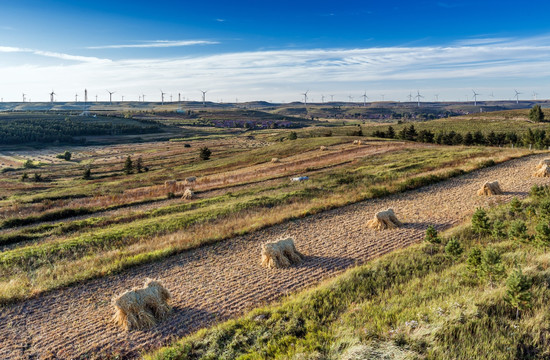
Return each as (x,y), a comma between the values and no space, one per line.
(517,96)
(305,98)
(111,96)
(436,97)
(350,98)
(410,97)
(24,97)
(365,97)
(96,98)
(179,97)
(143,97)
(122,98)
(418,96)
(382,96)
(52,95)
(204,97)
(535,95)
(331,98)
(76,97)
(475,97)
(170,97)
(322,98)
(162,93)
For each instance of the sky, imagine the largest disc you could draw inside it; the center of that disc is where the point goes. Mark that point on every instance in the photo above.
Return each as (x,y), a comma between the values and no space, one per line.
(274,50)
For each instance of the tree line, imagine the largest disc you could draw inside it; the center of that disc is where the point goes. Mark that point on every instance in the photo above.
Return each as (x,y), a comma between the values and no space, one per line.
(64,130)
(538,138)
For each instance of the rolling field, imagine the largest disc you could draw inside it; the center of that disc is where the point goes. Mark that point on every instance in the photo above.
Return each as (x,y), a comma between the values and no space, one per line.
(214,282)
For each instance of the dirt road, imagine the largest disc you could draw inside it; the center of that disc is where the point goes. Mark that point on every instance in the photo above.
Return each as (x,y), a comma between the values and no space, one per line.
(219,281)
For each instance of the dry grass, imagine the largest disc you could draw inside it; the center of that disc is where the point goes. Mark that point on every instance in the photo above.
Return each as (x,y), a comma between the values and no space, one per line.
(280,254)
(384,220)
(490,188)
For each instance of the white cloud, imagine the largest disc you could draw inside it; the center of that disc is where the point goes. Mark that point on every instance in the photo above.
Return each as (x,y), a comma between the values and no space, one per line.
(157,44)
(57,55)
(495,65)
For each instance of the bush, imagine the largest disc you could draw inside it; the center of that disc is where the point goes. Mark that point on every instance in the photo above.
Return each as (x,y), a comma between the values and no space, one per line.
(536,114)
(518,292)
(205,153)
(292,135)
(453,248)
(37,177)
(186,145)
(518,231)
(24,177)
(29,164)
(87,175)
(515,206)
(480,222)
(128,166)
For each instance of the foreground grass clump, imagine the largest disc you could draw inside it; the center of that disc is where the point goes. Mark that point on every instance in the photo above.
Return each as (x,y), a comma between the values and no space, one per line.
(476,294)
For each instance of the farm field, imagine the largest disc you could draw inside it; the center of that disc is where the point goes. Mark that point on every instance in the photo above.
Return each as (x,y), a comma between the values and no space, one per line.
(228,273)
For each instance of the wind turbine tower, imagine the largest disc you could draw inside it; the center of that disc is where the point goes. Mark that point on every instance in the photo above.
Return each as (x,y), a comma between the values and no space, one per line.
(111,96)
(85,102)
(162,93)
(418,96)
(331,98)
(51,96)
(410,97)
(24,97)
(365,97)
(203,97)
(305,98)
(76,97)
(475,97)
(143,97)
(517,96)
(436,97)
(323,99)
(534,96)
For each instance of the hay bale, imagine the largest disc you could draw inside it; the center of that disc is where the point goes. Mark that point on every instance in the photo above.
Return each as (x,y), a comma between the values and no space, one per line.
(542,163)
(384,220)
(280,254)
(490,188)
(142,308)
(543,171)
(188,194)
(323,148)
(275,160)
(357,142)
(170,183)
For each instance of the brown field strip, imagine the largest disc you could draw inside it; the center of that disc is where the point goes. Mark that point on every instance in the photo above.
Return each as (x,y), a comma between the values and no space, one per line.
(219,281)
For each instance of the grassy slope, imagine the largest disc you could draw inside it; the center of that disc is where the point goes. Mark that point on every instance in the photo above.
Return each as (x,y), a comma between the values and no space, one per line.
(417,303)
(97,247)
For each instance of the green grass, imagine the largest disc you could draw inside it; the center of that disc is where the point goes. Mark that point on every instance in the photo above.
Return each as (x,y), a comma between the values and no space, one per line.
(416,303)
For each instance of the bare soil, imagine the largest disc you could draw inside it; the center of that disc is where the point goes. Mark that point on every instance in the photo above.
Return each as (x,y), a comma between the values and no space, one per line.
(219,281)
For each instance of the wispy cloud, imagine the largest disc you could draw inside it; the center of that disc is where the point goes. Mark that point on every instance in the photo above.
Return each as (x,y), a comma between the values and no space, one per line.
(283,74)
(57,55)
(157,44)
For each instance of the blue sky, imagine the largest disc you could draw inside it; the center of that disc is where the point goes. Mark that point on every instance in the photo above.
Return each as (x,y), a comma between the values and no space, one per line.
(256,50)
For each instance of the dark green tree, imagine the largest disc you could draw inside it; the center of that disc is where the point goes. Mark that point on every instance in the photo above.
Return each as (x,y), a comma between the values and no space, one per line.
(491,266)
(515,206)
(479,139)
(139,165)
(536,114)
(518,293)
(468,139)
(498,230)
(205,153)
(474,260)
(518,231)
(24,177)
(480,222)
(292,135)
(87,175)
(37,177)
(67,155)
(453,248)
(29,164)
(391,133)
(128,166)
(542,236)
(432,237)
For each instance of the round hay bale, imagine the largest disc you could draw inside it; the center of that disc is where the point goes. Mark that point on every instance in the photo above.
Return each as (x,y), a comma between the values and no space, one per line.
(275,160)
(323,148)
(543,171)
(542,163)
(490,188)
(280,254)
(384,220)
(357,142)
(188,194)
(142,308)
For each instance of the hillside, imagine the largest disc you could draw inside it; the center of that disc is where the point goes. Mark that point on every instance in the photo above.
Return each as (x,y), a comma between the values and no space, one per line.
(482,293)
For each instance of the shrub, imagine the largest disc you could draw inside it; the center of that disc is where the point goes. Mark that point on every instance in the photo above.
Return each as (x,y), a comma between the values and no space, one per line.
(29,164)
(515,206)
(542,234)
(432,237)
(37,177)
(518,292)
(292,135)
(536,114)
(518,231)
(24,177)
(480,222)
(128,166)
(87,175)
(474,260)
(139,165)
(67,155)
(491,265)
(453,248)
(498,230)
(205,153)
(186,145)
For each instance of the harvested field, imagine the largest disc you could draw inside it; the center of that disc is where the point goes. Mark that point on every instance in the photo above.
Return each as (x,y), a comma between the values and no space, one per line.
(215,282)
